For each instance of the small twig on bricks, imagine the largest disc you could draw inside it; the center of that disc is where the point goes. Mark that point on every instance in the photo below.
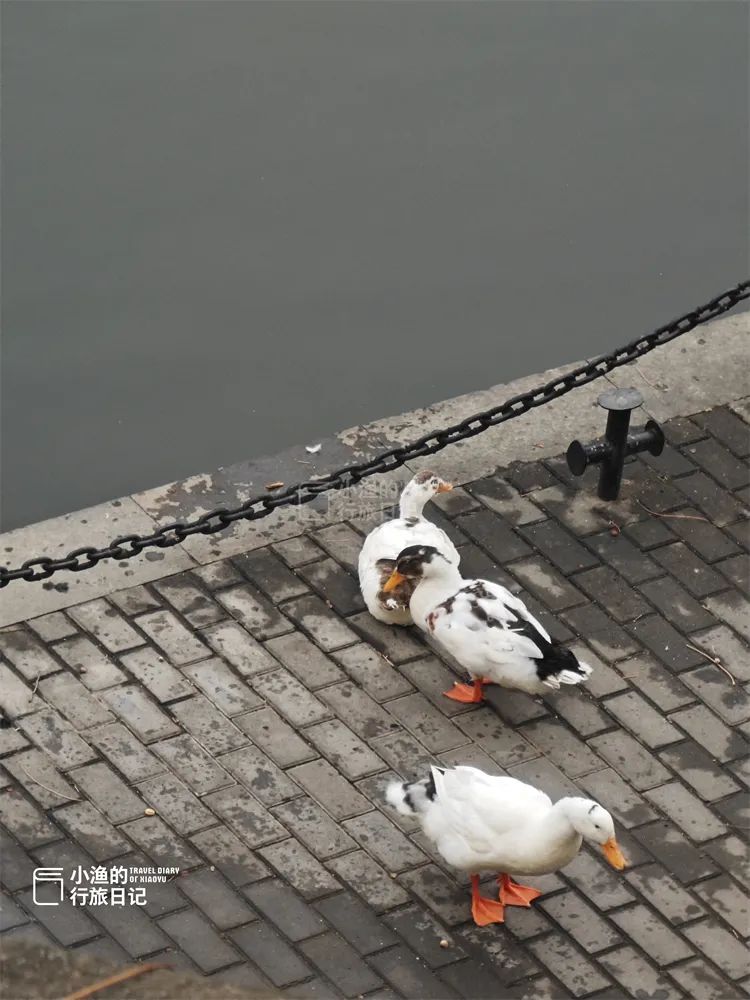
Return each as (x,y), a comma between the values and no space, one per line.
(681,517)
(36,685)
(118,977)
(715,660)
(62,795)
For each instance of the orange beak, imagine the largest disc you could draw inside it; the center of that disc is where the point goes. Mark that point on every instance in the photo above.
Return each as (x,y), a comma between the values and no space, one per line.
(445,487)
(393,581)
(613,854)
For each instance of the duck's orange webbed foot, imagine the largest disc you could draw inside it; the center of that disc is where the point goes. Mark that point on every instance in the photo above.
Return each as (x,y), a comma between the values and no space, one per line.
(469,694)
(513,894)
(485,911)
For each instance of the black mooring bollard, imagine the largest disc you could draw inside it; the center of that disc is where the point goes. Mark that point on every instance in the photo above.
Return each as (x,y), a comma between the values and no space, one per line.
(611,451)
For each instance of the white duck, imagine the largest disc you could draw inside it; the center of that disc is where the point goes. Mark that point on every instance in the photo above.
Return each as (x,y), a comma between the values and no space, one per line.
(488,630)
(377,560)
(480,822)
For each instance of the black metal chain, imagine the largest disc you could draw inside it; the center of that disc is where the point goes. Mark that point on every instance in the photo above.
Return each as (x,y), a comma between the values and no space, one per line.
(127,546)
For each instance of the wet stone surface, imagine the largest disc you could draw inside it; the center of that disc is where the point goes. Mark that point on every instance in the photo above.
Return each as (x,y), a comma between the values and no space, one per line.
(240,721)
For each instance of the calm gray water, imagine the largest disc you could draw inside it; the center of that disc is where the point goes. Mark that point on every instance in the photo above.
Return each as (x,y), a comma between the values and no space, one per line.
(230,227)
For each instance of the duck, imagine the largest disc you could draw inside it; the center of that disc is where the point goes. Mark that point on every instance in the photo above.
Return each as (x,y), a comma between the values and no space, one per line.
(481,822)
(377,559)
(486,629)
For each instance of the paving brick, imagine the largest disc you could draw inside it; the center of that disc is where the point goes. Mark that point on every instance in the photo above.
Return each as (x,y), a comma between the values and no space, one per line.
(651,934)
(108,792)
(423,934)
(654,489)
(131,929)
(10,914)
(338,588)
(18,869)
(123,750)
(546,583)
(711,686)
(300,550)
(665,642)
(602,634)
(221,686)
(255,612)
(320,622)
(67,923)
(433,678)
(308,663)
(314,827)
(405,754)
(732,608)
(209,727)
(562,747)
(513,707)
(248,818)
(191,763)
(665,894)
(372,673)
(552,623)
(449,901)
(93,666)
(337,960)
(283,907)
(710,732)
(71,698)
(27,655)
(35,771)
(57,738)
(720,946)
(728,900)
(15,697)
(682,430)
(698,578)
(11,740)
(275,737)
(715,503)
(331,789)
(737,570)
(173,800)
(630,759)
(477,565)
(720,463)
(656,682)
(408,976)
(703,536)
(574,915)
(579,710)
(216,575)
(185,596)
(223,906)
(649,534)
(264,779)
(397,644)
(290,859)
(235,644)
(52,627)
(134,600)
(620,554)
(627,806)
(675,852)
(273,956)
(637,976)
(177,642)
(344,749)
(233,859)
(673,601)
(564,961)
(735,810)
(359,711)
(613,593)
(270,574)
(341,542)
(502,744)
(543,774)
(384,841)
(597,881)
(106,625)
(727,427)
(635,713)
(136,709)
(699,980)
(199,940)
(159,677)
(697,768)
(502,498)
(91,830)
(493,535)
(425,722)
(290,698)
(369,880)
(357,923)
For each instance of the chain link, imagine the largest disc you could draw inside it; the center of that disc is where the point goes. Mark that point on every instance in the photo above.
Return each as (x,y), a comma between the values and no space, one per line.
(127,546)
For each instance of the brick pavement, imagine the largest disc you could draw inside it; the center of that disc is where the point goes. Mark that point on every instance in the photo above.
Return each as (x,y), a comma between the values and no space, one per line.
(259,711)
